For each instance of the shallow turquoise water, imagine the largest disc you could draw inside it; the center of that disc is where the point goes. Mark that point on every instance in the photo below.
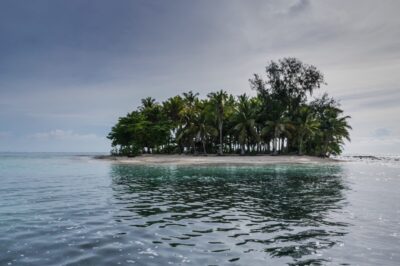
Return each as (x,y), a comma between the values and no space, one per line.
(62,209)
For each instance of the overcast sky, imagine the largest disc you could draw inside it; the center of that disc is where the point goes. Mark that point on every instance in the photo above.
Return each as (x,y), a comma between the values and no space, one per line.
(69,69)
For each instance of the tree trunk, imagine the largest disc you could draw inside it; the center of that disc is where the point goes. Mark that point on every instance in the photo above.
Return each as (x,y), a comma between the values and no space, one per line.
(325,150)
(274,146)
(301,145)
(278,145)
(288,145)
(204,147)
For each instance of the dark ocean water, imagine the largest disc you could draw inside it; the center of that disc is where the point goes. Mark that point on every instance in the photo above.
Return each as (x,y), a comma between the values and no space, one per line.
(63,209)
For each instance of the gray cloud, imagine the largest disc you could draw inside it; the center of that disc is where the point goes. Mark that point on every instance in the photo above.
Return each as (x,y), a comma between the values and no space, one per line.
(300,6)
(64,135)
(381,133)
(4,134)
(78,65)
(372,99)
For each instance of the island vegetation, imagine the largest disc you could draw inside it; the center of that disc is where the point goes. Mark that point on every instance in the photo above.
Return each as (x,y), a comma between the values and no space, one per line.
(282,118)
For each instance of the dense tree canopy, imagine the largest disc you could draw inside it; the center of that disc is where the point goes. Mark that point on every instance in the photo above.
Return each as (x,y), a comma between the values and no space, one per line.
(281,118)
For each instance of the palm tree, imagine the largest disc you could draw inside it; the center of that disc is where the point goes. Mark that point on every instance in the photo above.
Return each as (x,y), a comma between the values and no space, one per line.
(218,100)
(190,98)
(280,126)
(334,128)
(186,132)
(334,134)
(201,126)
(307,126)
(173,110)
(244,120)
(148,102)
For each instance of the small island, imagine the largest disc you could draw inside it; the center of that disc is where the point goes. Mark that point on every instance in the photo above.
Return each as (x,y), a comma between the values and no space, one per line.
(283,118)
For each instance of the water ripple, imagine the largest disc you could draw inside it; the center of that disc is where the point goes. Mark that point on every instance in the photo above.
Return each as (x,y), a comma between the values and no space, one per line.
(55,210)
(275,212)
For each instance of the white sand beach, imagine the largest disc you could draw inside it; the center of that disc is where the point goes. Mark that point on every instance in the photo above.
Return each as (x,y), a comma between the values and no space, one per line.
(234,160)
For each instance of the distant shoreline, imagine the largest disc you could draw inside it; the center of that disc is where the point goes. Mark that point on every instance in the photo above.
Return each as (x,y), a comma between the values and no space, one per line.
(215,160)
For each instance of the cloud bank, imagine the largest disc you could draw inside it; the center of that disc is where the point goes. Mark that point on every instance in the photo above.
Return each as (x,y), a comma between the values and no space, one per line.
(68,69)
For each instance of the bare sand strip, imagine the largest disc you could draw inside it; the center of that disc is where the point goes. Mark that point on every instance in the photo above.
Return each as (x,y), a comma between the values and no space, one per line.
(214,160)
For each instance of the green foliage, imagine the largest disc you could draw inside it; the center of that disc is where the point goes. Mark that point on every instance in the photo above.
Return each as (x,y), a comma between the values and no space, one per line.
(245,122)
(218,100)
(279,119)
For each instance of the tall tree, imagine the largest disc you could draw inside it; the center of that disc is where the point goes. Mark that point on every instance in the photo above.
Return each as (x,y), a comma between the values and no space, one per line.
(173,109)
(186,132)
(334,128)
(280,127)
(202,128)
(245,122)
(306,126)
(218,100)
(287,84)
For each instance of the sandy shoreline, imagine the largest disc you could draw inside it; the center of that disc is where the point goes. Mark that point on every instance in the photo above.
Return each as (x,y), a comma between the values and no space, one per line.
(234,160)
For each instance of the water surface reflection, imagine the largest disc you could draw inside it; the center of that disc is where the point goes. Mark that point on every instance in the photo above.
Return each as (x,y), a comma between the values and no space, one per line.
(247,215)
